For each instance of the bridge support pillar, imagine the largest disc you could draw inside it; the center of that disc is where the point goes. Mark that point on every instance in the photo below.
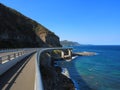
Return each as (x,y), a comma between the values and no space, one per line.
(62,54)
(70,53)
(66,54)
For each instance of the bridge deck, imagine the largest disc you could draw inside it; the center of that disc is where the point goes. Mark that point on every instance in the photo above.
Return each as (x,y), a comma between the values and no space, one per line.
(20,77)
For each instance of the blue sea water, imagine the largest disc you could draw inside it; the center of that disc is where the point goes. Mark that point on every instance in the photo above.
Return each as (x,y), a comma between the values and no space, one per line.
(99,72)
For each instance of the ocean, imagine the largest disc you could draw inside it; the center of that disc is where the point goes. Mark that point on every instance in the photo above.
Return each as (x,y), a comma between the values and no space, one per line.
(99,72)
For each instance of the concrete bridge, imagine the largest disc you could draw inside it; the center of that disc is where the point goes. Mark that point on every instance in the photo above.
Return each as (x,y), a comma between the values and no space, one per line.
(20,70)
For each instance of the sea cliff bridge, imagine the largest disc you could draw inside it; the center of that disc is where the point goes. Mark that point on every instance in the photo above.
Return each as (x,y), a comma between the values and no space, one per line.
(20,68)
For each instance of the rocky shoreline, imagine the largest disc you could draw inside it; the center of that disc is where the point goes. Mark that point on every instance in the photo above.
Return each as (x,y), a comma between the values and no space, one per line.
(53,79)
(55,76)
(66,73)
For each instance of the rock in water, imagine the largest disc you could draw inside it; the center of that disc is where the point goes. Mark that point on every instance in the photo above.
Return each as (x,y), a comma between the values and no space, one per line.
(85,53)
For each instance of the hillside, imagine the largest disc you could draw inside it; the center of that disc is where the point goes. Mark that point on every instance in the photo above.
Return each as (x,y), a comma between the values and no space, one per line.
(19,31)
(69,43)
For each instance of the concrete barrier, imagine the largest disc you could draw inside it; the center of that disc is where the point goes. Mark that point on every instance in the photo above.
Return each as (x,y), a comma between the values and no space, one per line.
(6,66)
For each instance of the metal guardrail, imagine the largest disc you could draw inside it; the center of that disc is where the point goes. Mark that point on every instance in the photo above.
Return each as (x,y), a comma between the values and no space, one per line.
(38,79)
(6,58)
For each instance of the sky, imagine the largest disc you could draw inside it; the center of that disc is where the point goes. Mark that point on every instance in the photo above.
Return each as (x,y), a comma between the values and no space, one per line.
(94,22)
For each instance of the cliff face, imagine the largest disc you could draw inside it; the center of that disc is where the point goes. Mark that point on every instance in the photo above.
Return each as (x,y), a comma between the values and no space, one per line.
(19,31)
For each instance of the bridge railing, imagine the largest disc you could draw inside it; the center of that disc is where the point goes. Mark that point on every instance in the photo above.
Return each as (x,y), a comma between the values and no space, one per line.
(13,55)
(38,78)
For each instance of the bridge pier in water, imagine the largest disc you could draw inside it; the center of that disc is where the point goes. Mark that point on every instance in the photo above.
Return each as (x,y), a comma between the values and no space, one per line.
(66,54)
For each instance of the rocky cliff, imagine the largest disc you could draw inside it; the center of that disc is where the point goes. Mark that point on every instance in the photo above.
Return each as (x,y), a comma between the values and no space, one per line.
(19,31)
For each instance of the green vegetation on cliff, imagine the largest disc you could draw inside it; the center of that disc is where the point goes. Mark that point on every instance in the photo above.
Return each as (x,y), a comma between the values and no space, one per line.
(19,31)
